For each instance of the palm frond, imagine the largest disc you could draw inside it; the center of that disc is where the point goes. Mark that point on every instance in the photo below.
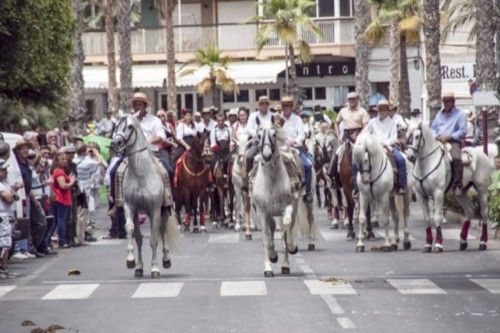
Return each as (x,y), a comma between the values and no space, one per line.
(375,32)
(204,86)
(187,72)
(304,51)
(263,36)
(410,24)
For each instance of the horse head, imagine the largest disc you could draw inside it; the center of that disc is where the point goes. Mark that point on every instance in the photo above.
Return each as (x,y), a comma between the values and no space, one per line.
(414,136)
(242,144)
(126,132)
(366,152)
(268,136)
(198,143)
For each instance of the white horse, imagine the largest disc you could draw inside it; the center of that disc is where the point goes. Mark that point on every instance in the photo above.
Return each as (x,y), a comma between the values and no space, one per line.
(432,175)
(272,197)
(242,200)
(143,191)
(376,183)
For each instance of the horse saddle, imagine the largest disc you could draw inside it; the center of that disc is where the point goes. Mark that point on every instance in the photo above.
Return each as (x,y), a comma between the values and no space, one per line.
(394,167)
(119,178)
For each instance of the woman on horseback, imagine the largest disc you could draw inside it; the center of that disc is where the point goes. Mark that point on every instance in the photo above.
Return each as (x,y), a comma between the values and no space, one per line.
(184,133)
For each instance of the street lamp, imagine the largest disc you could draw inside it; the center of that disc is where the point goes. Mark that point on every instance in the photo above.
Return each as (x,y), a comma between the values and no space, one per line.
(485,99)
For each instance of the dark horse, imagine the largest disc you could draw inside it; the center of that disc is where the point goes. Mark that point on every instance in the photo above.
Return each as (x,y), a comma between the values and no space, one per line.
(192,180)
(223,187)
(347,182)
(320,159)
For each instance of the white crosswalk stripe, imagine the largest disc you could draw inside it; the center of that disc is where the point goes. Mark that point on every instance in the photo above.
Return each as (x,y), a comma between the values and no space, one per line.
(243,288)
(71,291)
(317,287)
(329,235)
(224,238)
(158,290)
(492,285)
(4,290)
(416,286)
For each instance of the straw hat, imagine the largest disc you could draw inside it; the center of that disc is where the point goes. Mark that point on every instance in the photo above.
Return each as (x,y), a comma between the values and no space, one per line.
(22,143)
(448,95)
(287,100)
(140,97)
(263,99)
(352,95)
(383,102)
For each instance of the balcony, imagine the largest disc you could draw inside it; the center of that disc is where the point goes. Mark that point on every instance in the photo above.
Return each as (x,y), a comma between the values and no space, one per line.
(233,39)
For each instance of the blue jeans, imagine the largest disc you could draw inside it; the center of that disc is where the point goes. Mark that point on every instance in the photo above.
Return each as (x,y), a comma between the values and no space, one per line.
(61,214)
(307,169)
(401,166)
(21,246)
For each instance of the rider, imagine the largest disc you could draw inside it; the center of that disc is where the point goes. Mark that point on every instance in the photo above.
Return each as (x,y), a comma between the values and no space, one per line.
(308,127)
(206,119)
(400,122)
(354,118)
(219,134)
(263,116)
(319,117)
(386,130)
(450,126)
(293,129)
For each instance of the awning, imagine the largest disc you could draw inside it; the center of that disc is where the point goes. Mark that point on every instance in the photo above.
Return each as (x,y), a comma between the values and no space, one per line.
(143,76)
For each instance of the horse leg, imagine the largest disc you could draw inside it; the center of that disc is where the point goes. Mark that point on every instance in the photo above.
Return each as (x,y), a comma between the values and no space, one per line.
(155,218)
(404,216)
(266,239)
(369,228)
(273,255)
(246,217)
(288,216)
(167,262)
(312,226)
(285,267)
(483,203)
(139,271)
(464,203)
(395,207)
(194,208)
(424,205)
(351,235)
(230,204)
(363,205)
(129,227)
(438,219)
(238,209)
(384,204)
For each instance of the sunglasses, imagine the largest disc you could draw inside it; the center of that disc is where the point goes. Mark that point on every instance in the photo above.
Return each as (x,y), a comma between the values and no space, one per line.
(31,157)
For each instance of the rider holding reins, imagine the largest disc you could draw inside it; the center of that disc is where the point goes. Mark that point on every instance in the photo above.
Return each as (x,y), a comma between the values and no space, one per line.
(220,138)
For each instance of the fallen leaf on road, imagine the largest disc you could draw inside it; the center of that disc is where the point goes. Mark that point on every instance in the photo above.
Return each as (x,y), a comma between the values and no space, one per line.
(333,280)
(27,323)
(53,328)
(38,330)
(73,271)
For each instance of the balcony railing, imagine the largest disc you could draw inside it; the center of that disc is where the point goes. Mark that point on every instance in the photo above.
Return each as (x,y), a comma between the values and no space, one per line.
(228,37)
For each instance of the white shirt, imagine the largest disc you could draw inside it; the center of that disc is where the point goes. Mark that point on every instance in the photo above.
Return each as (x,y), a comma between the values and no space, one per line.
(210,126)
(151,127)
(88,172)
(293,128)
(105,125)
(400,122)
(5,208)
(239,129)
(385,130)
(252,125)
(184,130)
(218,134)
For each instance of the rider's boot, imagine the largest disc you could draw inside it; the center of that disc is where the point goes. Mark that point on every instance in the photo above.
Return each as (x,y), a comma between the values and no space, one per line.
(457,170)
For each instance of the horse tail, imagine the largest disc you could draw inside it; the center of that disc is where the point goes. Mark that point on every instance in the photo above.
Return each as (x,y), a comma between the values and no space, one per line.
(173,235)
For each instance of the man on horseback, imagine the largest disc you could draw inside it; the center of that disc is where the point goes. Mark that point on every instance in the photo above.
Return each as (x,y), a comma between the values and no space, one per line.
(386,129)
(219,143)
(450,126)
(354,119)
(255,120)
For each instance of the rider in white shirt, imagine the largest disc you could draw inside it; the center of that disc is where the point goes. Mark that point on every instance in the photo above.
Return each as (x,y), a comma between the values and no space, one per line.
(106,125)
(400,122)
(220,138)
(206,119)
(385,129)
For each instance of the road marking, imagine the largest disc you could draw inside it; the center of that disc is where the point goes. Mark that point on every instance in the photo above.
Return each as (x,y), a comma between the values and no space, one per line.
(317,287)
(71,291)
(4,290)
(243,288)
(307,270)
(332,235)
(492,285)
(107,242)
(299,261)
(345,323)
(416,286)
(454,234)
(332,304)
(158,290)
(224,238)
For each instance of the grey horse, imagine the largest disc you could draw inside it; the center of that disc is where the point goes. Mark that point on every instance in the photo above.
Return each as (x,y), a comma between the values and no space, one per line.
(143,191)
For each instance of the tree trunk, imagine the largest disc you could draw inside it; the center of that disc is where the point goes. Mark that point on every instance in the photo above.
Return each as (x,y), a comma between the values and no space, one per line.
(485,38)
(394,62)
(110,44)
(361,48)
(77,114)
(404,84)
(124,32)
(293,87)
(169,29)
(215,95)
(431,25)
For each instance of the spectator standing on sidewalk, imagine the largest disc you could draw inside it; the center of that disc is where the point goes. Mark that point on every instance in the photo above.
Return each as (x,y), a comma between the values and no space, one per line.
(7,209)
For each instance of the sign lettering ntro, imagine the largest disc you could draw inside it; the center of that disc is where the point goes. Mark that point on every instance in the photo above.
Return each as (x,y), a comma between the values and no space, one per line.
(316,69)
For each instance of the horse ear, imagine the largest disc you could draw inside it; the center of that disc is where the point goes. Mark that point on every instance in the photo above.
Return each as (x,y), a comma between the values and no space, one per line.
(257,120)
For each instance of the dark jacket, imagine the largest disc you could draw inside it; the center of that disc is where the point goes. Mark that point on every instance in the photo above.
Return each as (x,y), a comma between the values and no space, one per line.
(26,173)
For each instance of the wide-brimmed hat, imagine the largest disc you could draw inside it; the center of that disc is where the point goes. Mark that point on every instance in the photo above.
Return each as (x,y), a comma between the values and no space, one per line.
(206,110)
(140,97)
(448,95)
(21,143)
(197,114)
(287,100)
(263,99)
(233,112)
(30,135)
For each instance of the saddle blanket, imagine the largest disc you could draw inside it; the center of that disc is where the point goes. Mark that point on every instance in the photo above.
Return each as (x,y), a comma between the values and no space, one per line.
(179,168)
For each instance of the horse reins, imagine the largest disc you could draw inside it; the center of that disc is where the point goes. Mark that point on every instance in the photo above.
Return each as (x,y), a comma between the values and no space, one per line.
(126,139)
(369,171)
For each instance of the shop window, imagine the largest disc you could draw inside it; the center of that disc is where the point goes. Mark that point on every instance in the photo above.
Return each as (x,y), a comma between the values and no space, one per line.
(90,106)
(274,94)
(320,93)
(326,8)
(243,96)
(227,97)
(308,94)
(199,102)
(163,101)
(345,8)
(260,92)
(179,104)
(188,101)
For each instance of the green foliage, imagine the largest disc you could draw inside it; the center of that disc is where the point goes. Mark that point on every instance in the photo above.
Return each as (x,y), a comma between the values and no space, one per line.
(331,114)
(14,113)
(451,203)
(36,43)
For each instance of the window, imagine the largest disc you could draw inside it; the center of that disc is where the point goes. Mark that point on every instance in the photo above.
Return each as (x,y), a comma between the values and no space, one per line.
(227,97)
(90,106)
(274,95)
(320,93)
(326,8)
(179,104)
(199,102)
(260,92)
(163,101)
(345,8)
(243,96)
(308,94)
(188,101)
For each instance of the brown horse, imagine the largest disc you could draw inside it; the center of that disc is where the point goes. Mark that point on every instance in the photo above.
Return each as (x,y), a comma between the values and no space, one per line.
(320,159)
(347,182)
(223,187)
(190,184)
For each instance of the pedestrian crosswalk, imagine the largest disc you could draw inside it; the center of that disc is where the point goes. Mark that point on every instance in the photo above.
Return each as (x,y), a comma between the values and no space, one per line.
(241,288)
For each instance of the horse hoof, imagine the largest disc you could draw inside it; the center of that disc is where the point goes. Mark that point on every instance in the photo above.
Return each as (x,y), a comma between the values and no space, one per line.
(482,247)
(370,236)
(295,250)
(268,274)
(335,226)
(360,248)
(386,248)
(130,264)
(167,264)
(407,245)
(351,235)
(248,237)
(196,230)
(155,275)
(139,273)
(394,247)
(438,249)
(285,270)
(427,249)
(186,228)
(274,259)
(311,247)
(463,246)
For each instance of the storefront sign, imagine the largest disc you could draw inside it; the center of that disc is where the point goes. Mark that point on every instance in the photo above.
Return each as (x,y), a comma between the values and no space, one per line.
(315,69)
(458,71)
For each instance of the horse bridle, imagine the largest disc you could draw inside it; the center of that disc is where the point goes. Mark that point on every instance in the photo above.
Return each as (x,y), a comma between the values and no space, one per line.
(127,139)
(369,170)
(271,144)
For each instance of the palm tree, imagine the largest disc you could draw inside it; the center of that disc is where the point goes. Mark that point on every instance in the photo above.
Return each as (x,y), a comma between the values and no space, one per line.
(431,27)
(124,32)
(362,19)
(217,78)
(404,23)
(109,19)
(166,10)
(77,113)
(290,22)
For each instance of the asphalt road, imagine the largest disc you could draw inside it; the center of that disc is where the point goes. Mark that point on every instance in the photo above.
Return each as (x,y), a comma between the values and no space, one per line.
(216,284)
